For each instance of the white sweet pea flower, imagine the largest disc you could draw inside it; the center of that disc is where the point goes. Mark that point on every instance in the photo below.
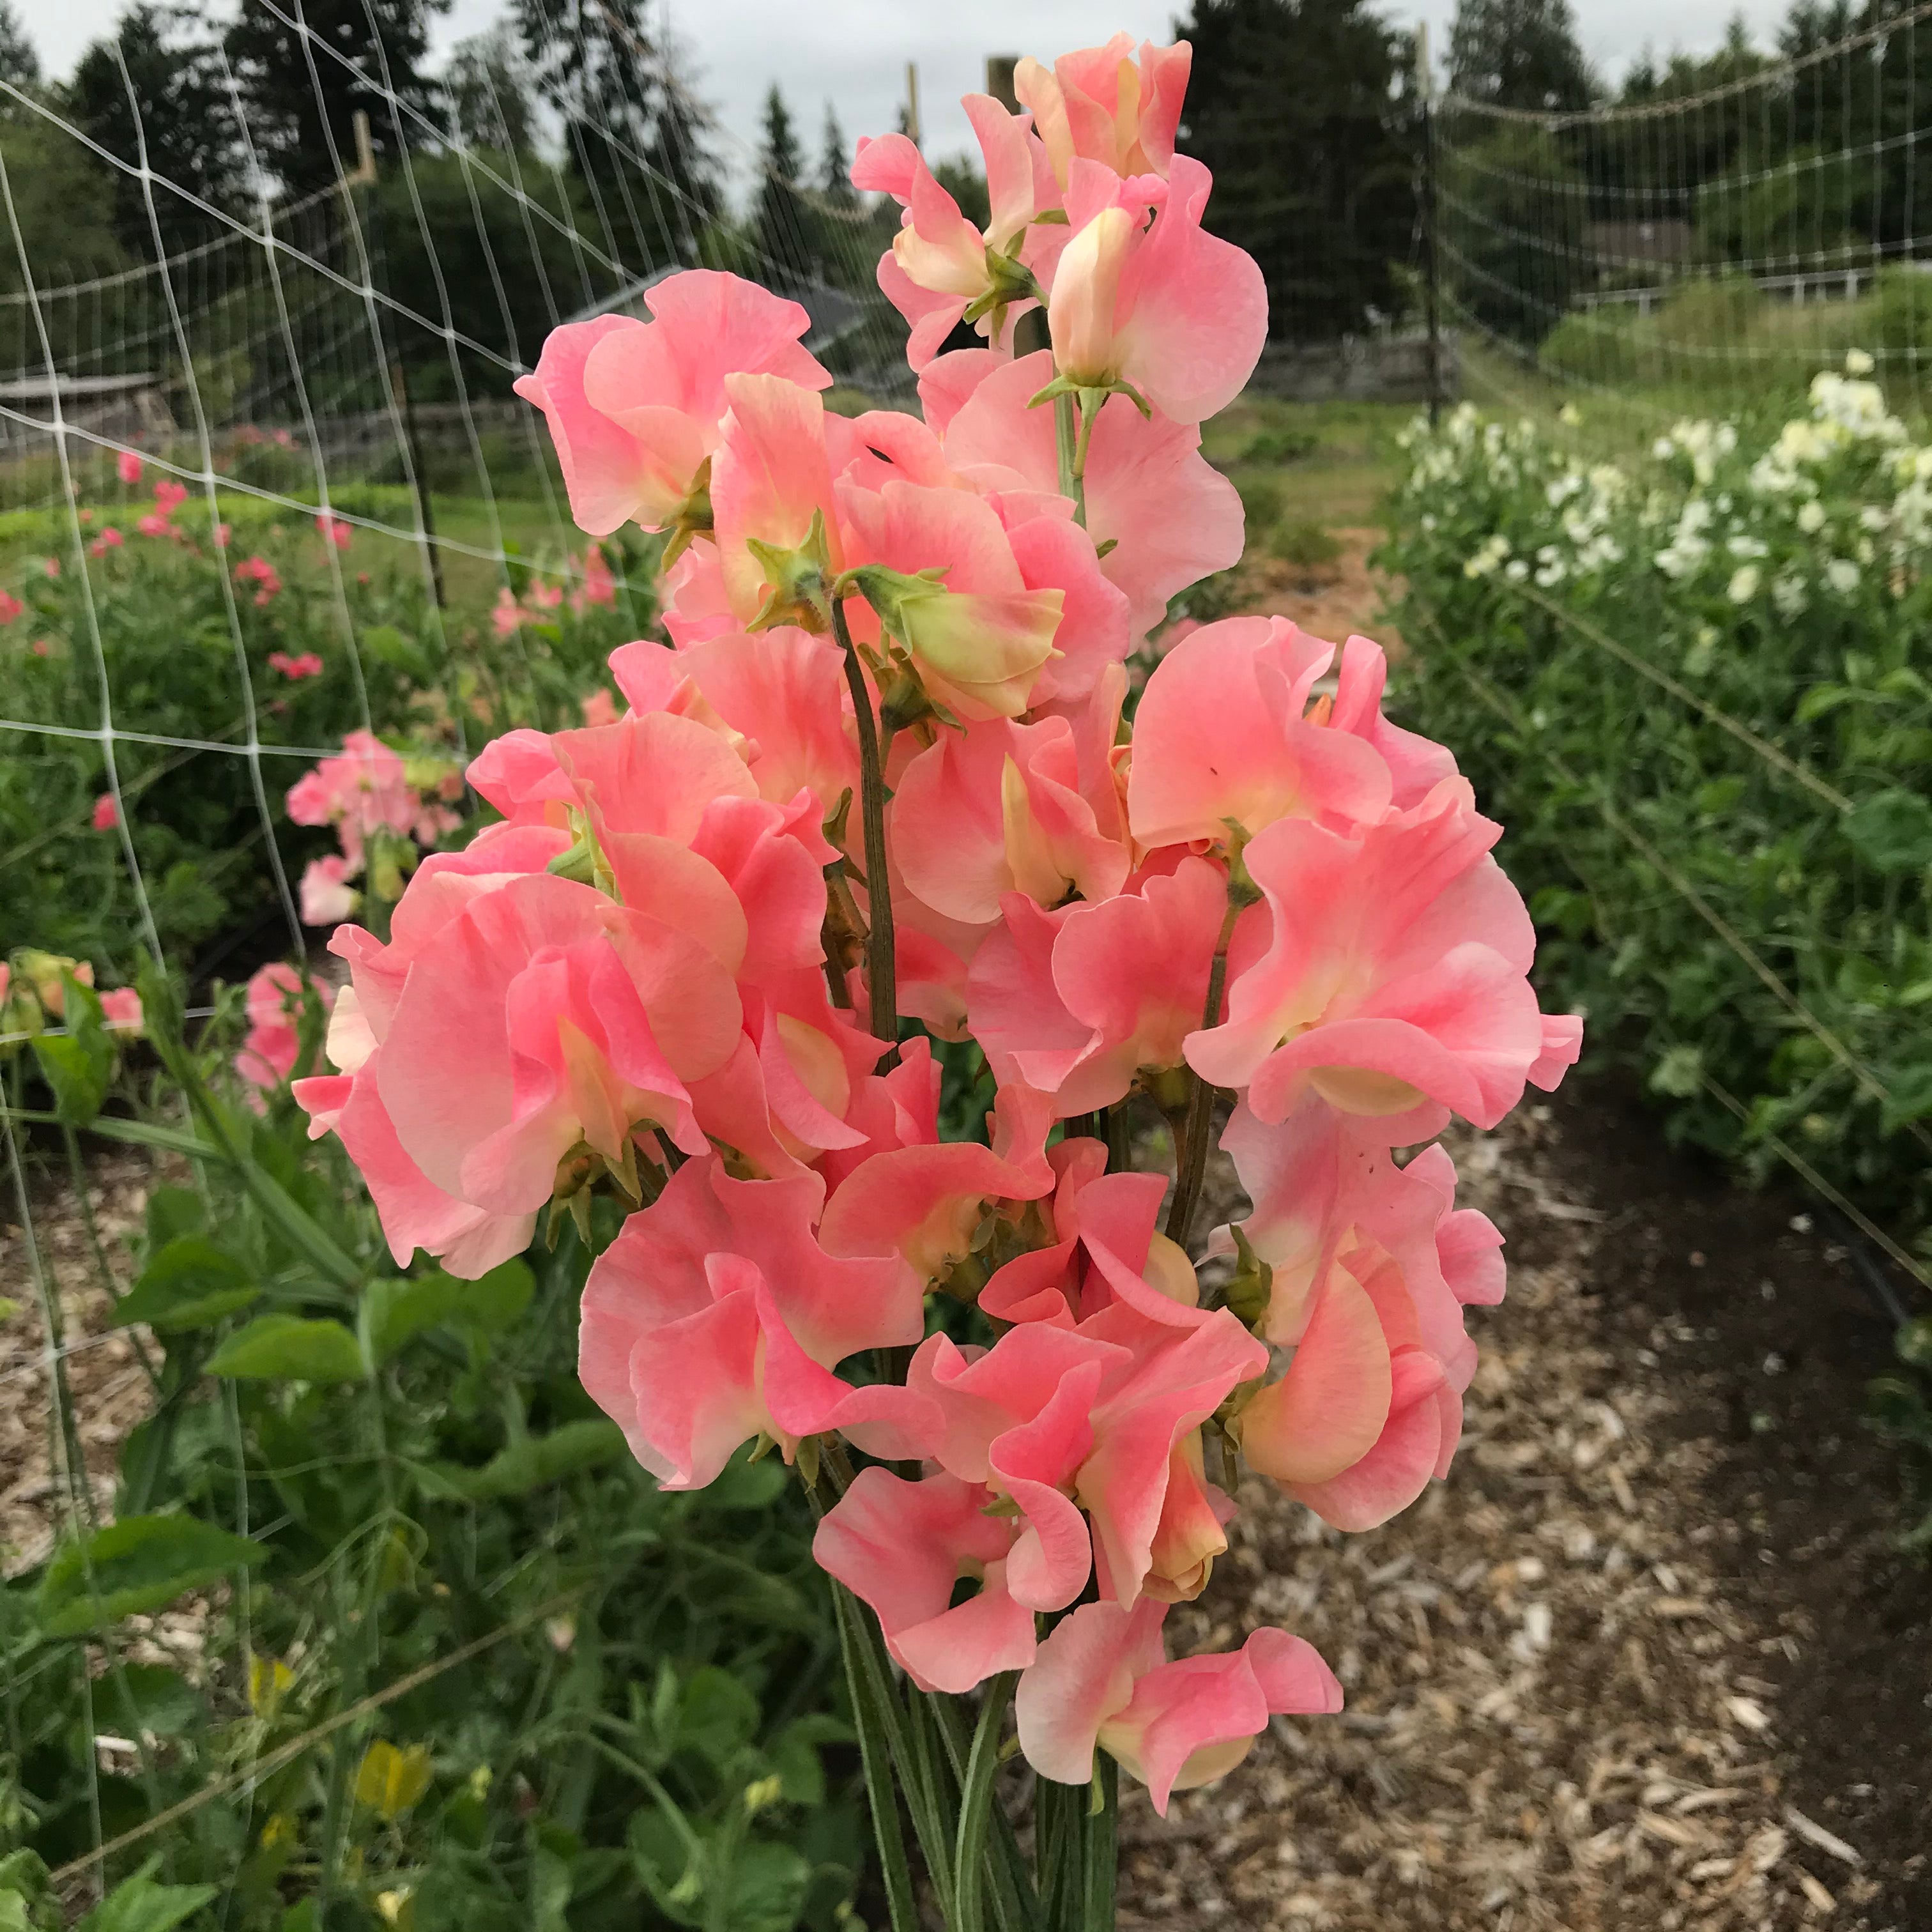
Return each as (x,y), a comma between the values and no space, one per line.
(1744,581)
(1842,575)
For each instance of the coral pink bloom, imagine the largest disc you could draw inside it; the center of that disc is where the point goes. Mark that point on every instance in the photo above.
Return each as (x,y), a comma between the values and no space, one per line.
(1417,765)
(998,809)
(121,1009)
(1396,973)
(170,496)
(1164,515)
(982,639)
(273,1044)
(937,266)
(1102,1679)
(1077,1001)
(10,606)
(634,406)
(326,896)
(109,539)
(506,614)
(51,567)
(777,696)
(1178,312)
(106,812)
(332,529)
(364,789)
(546,1014)
(1099,106)
(716,1314)
(1371,1268)
(599,708)
(1222,734)
(127,466)
(599,588)
(902,1547)
(305,664)
(154,524)
(925,1201)
(770,480)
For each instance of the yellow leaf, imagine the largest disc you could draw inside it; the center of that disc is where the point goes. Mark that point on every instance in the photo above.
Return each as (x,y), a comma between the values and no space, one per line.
(269,1678)
(389,1780)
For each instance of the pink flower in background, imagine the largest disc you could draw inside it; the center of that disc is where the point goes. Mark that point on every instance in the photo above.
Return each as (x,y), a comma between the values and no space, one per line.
(156,524)
(127,466)
(223,532)
(109,539)
(40,647)
(543,596)
(506,614)
(333,530)
(170,496)
(121,1010)
(306,663)
(599,586)
(362,791)
(599,708)
(260,572)
(10,607)
(327,897)
(106,812)
(51,567)
(284,440)
(273,1045)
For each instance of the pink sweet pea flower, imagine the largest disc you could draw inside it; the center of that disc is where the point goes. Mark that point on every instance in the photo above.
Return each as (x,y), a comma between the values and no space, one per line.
(716,1315)
(326,896)
(940,264)
(333,530)
(1371,1266)
(305,663)
(155,524)
(170,496)
(259,572)
(1099,105)
(284,439)
(598,708)
(127,466)
(109,539)
(599,587)
(1224,734)
(1176,313)
(269,1053)
(1164,515)
(121,1010)
(635,407)
(901,1547)
(51,567)
(1102,1679)
(364,790)
(10,607)
(506,614)
(1396,974)
(982,639)
(106,812)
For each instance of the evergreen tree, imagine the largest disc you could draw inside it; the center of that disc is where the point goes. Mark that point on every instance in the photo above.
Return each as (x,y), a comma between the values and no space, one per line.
(781,221)
(1520,53)
(157,66)
(486,91)
(19,62)
(835,166)
(302,100)
(1289,106)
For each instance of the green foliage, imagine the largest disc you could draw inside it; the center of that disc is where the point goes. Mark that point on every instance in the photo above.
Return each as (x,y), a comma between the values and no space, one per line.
(481,1673)
(1262,499)
(1281,446)
(1307,547)
(1695,691)
(167,630)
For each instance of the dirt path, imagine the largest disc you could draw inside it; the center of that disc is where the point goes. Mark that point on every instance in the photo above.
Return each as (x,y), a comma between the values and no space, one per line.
(1648,1660)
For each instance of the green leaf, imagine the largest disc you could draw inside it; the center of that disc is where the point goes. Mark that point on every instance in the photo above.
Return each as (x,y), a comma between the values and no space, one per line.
(147,1697)
(392,1313)
(190,1283)
(1680,1073)
(138,1904)
(172,1213)
(77,1064)
(286,1348)
(1910,1088)
(496,1300)
(527,1465)
(136,1565)
(717,1716)
(765,1889)
(1914,1342)
(1892,831)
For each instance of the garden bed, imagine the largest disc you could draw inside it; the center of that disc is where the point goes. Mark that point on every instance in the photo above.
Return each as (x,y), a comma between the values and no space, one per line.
(1650,1658)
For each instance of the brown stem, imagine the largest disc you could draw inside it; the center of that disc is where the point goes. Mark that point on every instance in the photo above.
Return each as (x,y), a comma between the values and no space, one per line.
(881,959)
(1191,1152)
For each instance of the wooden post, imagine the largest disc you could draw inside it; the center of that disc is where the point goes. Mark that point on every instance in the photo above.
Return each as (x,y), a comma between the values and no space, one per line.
(912,103)
(1000,80)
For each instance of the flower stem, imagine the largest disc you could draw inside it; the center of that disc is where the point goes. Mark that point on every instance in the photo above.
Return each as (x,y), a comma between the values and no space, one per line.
(1191,1155)
(975,1806)
(881,958)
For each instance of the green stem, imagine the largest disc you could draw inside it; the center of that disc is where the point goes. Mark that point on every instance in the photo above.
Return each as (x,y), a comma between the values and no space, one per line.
(1191,1156)
(881,969)
(975,1806)
(1102,1850)
(1091,403)
(1014,1907)
(895,1872)
(1064,442)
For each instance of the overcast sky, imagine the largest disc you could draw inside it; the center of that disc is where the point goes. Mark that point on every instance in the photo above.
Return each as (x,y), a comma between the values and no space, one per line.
(853,53)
